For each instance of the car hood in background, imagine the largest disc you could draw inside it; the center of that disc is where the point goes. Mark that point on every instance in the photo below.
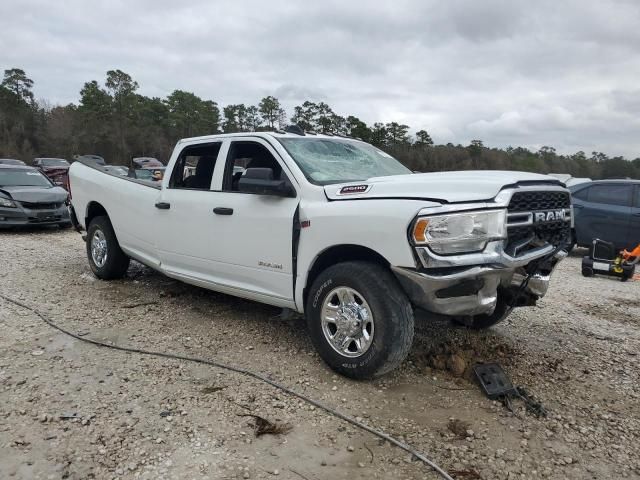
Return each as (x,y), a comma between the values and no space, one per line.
(36,194)
(450,187)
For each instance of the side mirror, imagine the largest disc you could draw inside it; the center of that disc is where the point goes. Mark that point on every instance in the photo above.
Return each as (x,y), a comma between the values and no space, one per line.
(261,181)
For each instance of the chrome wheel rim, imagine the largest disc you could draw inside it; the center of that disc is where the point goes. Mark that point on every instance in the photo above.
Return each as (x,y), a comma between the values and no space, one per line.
(99,249)
(347,322)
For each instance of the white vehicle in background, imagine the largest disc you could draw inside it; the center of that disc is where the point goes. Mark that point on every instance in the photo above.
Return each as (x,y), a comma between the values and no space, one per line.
(333,228)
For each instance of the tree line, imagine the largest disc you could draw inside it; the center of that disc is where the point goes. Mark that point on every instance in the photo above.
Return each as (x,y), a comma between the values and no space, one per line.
(113,120)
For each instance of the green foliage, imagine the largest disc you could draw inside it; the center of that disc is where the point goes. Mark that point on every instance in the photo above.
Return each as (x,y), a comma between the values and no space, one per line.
(423,138)
(271,112)
(115,121)
(16,80)
(190,116)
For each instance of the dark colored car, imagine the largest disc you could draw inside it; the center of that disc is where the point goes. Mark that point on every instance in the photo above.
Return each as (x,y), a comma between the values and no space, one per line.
(57,169)
(147,168)
(11,161)
(608,210)
(96,159)
(28,197)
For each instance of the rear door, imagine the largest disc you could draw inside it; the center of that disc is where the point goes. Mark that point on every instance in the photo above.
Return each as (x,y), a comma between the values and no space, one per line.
(603,210)
(184,227)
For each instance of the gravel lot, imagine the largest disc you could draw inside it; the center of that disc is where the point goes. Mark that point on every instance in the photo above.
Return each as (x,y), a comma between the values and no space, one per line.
(72,410)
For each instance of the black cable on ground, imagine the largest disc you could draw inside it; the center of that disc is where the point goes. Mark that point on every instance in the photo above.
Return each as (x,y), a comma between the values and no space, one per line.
(242,371)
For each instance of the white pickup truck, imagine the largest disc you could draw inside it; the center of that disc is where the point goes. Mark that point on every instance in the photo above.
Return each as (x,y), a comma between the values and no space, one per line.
(333,228)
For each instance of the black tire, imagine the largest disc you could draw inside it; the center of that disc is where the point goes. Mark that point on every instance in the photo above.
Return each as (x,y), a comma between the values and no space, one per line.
(391,310)
(116,262)
(587,272)
(627,274)
(481,322)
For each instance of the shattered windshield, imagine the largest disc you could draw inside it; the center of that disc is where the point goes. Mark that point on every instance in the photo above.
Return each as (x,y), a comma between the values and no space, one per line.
(326,160)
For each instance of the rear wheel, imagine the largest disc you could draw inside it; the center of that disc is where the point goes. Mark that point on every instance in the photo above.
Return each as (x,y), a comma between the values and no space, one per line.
(360,320)
(106,258)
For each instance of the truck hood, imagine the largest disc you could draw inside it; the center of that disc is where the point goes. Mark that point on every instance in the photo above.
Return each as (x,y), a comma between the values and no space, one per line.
(35,194)
(447,187)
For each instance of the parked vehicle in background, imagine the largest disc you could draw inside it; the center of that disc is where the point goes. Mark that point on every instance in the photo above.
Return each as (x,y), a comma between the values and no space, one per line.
(147,168)
(11,161)
(96,159)
(56,169)
(28,197)
(335,228)
(608,210)
(117,170)
(569,180)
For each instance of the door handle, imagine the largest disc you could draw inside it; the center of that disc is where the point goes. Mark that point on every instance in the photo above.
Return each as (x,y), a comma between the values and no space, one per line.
(637,214)
(163,205)
(223,211)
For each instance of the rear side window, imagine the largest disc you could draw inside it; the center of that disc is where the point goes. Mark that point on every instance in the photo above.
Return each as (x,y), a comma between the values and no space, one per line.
(194,168)
(610,194)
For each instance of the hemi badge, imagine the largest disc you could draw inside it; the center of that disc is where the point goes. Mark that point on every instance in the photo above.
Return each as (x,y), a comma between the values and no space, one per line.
(305,223)
(351,189)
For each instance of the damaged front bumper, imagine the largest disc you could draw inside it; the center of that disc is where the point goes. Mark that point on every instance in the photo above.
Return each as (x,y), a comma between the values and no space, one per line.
(23,216)
(470,284)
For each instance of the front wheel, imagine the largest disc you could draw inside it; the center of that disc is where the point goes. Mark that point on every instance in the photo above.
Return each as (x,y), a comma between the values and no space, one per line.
(360,320)
(483,321)
(106,258)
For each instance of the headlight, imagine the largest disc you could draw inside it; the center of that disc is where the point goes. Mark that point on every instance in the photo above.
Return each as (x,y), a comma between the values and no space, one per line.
(5,202)
(460,232)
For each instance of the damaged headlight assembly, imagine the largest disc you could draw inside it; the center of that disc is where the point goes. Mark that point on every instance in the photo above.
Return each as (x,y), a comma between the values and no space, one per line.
(465,232)
(5,202)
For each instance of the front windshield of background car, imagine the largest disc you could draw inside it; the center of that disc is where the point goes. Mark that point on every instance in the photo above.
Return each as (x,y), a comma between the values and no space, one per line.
(23,178)
(326,160)
(55,162)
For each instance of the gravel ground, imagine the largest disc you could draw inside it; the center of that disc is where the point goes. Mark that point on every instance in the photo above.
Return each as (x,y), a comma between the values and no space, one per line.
(73,410)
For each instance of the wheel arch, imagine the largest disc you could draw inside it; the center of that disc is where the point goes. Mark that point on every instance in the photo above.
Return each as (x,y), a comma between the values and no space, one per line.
(94,209)
(337,254)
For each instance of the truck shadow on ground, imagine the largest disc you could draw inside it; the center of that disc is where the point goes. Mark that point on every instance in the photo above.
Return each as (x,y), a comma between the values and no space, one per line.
(439,344)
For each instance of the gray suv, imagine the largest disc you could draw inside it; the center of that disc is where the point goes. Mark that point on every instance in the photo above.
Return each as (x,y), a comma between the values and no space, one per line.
(609,210)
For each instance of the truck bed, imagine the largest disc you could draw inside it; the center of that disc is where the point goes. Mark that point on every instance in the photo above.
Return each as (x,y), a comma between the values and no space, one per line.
(128,201)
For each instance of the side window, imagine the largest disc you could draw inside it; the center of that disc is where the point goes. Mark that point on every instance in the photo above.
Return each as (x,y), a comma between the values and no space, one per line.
(244,155)
(194,167)
(611,194)
(636,202)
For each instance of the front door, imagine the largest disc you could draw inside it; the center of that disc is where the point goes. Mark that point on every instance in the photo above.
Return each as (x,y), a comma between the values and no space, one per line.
(634,225)
(603,211)
(254,242)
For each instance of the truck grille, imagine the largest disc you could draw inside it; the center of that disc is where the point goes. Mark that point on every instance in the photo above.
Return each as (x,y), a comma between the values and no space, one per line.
(532,201)
(526,205)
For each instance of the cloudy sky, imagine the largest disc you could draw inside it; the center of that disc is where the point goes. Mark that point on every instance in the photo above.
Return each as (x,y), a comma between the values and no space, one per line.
(560,73)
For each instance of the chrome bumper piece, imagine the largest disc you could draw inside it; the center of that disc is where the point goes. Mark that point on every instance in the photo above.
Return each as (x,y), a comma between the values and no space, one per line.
(487,271)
